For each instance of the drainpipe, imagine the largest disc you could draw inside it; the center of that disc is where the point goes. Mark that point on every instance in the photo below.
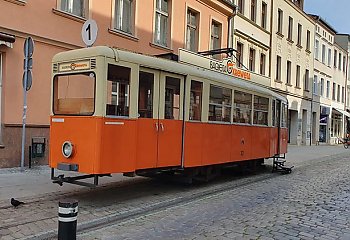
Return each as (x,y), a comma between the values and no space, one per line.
(230,34)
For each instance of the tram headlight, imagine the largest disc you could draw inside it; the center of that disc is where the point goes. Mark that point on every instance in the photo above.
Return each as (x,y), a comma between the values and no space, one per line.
(67,149)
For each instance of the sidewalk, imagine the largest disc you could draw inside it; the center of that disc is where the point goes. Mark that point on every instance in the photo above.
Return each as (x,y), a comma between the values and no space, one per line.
(36,181)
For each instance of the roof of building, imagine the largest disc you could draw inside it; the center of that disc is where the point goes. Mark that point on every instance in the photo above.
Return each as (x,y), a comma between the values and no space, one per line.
(323,22)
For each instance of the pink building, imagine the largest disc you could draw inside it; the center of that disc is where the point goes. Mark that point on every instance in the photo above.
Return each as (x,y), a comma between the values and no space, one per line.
(154,27)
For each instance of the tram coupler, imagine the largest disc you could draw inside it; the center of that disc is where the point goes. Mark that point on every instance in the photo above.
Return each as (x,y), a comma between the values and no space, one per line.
(60,179)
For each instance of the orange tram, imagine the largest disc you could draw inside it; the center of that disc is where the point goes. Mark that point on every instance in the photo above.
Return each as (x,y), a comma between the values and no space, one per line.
(115,111)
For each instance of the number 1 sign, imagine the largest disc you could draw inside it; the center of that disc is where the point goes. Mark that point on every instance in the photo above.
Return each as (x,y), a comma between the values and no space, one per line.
(89,32)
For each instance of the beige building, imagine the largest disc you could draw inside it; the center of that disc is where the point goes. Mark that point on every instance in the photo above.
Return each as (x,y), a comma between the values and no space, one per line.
(330,68)
(252,35)
(291,65)
(155,27)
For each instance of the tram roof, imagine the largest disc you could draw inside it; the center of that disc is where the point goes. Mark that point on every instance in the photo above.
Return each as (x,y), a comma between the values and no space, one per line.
(164,65)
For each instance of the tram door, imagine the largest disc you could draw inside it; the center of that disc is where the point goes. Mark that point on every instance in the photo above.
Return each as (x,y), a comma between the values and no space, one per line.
(160,120)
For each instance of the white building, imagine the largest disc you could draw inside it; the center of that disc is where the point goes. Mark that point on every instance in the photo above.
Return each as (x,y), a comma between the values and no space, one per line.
(292,68)
(330,68)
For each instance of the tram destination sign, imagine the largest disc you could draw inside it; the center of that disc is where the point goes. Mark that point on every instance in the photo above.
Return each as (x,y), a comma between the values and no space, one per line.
(74,66)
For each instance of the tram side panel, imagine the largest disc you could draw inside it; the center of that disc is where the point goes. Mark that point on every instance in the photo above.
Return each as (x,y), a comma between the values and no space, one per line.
(193,151)
(241,142)
(260,144)
(83,133)
(216,144)
(284,140)
(118,146)
(273,141)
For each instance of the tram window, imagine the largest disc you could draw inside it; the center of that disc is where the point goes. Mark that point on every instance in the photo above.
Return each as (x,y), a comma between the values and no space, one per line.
(274,113)
(261,110)
(220,104)
(172,98)
(118,89)
(278,113)
(196,100)
(243,107)
(74,94)
(146,82)
(284,115)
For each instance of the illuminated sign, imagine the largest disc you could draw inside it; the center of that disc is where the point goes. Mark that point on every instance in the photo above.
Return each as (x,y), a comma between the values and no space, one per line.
(228,67)
(74,66)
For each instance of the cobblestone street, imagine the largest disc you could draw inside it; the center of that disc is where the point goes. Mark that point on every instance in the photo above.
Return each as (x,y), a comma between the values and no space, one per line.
(310,203)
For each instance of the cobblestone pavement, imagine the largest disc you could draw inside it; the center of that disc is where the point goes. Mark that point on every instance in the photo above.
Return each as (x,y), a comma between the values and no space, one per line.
(309,203)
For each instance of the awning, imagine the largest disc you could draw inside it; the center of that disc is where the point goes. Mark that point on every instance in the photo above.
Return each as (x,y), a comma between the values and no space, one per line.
(7,39)
(343,112)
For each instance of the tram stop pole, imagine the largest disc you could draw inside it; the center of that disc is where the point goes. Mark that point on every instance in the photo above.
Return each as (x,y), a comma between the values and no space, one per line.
(67,219)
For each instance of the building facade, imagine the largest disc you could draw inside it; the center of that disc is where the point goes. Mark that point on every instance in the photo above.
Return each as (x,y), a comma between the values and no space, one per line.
(154,27)
(291,64)
(330,69)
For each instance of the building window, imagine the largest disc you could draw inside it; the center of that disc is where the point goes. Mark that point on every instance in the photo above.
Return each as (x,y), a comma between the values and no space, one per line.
(329,57)
(335,58)
(314,88)
(215,40)
(300,29)
(317,45)
(220,104)
(261,110)
(306,80)
(290,28)
(162,22)
(264,15)
(252,59)
(297,82)
(334,92)
(308,40)
(241,6)
(344,64)
(124,16)
(242,107)
(289,72)
(280,21)
(322,87)
(328,88)
(75,7)
(323,54)
(339,64)
(239,54)
(278,68)
(262,63)
(192,31)
(342,94)
(253,10)
(338,93)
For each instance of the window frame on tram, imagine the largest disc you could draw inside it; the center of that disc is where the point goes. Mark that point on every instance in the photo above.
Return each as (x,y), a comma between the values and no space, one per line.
(55,79)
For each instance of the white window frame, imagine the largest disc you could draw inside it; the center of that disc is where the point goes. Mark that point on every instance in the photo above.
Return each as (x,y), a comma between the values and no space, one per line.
(213,36)
(190,26)
(70,9)
(118,21)
(157,24)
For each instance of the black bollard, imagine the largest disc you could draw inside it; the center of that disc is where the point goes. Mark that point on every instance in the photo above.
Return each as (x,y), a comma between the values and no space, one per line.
(67,219)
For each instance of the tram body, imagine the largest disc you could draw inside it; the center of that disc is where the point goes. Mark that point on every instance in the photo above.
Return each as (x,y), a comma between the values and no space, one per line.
(115,111)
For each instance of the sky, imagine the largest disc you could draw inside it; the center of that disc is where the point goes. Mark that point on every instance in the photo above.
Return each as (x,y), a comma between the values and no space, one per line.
(335,12)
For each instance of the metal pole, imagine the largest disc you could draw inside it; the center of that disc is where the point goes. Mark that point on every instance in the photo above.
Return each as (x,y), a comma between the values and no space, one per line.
(67,219)
(24,105)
